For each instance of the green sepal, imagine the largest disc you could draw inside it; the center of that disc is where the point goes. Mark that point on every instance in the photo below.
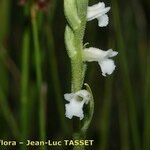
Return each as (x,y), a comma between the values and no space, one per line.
(89,115)
(69,41)
(71,14)
(82,6)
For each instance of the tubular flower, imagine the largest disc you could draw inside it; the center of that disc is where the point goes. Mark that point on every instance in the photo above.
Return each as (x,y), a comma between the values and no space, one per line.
(102,57)
(98,11)
(76,103)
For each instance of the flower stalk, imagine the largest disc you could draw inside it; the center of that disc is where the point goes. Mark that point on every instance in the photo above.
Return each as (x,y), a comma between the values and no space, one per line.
(24,87)
(76,18)
(8,115)
(42,103)
(74,43)
(86,121)
(77,14)
(133,116)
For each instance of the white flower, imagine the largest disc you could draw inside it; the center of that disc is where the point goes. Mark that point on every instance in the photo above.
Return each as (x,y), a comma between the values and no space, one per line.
(102,57)
(98,11)
(76,102)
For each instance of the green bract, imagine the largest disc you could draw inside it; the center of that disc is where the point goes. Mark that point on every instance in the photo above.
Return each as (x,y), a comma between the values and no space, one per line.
(71,13)
(69,41)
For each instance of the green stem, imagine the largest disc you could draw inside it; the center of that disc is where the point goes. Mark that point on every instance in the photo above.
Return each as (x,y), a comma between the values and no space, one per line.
(124,125)
(77,72)
(42,128)
(105,115)
(77,65)
(36,47)
(42,111)
(77,21)
(5,17)
(4,31)
(86,121)
(126,79)
(24,88)
(10,118)
(55,79)
(146,133)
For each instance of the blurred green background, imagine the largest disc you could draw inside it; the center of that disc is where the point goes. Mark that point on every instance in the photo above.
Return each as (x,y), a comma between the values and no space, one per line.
(35,73)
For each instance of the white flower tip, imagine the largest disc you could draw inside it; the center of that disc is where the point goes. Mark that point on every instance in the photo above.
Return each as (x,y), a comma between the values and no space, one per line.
(97,6)
(107,66)
(104,74)
(75,107)
(112,53)
(98,11)
(108,9)
(68,96)
(102,57)
(85,95)
(103,20)
(100,5)
(68,115)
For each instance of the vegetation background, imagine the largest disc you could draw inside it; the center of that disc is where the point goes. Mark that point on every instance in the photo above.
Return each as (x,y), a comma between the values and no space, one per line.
(35,73)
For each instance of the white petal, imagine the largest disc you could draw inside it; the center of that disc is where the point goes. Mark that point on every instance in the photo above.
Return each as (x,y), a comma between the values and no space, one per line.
(74,108)
(111,53)
(68,96)
(99,5)
(85,95)
(97,11)
(75,105)
(95,54)
(102,57)
(68,114)
(107,66)
(103,20)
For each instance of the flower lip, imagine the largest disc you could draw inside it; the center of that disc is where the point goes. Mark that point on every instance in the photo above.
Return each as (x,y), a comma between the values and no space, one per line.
(112,53)
(98,11)
(106,64)
(103,21)
(76,102)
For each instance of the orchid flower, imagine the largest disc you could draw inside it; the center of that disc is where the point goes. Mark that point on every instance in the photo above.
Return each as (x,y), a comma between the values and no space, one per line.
(107,65)
(98,11)
(76,103)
